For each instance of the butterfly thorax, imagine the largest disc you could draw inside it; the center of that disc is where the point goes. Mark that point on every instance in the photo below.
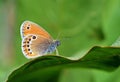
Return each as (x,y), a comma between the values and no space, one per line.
(53,46)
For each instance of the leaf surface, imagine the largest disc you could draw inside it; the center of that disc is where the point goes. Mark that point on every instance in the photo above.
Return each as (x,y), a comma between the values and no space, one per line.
(47,68)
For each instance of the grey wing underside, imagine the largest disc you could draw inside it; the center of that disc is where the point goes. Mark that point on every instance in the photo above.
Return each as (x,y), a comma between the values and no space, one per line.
(36,47)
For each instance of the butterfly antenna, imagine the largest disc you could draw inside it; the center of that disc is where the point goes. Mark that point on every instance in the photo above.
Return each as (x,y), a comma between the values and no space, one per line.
(58,35)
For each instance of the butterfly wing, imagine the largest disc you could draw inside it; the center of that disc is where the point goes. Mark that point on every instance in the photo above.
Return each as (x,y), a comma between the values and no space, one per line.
(29,27)
(35,39)
(34,46)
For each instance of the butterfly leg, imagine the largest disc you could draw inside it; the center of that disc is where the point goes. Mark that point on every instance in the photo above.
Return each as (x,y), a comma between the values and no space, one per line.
(57,53)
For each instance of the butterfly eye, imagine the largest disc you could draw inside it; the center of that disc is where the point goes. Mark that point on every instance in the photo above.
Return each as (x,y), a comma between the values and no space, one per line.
(34,37)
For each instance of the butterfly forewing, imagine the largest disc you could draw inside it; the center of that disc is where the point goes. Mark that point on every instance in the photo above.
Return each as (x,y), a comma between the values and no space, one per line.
(29,27)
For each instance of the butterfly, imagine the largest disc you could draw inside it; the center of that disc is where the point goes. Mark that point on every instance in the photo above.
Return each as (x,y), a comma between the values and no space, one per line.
(36,41)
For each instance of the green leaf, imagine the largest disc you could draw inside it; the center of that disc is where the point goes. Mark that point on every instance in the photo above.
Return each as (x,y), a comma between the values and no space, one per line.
(47,68)
(116,43)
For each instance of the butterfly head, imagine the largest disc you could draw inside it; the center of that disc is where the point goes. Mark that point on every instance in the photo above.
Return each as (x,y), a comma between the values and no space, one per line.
(57,42)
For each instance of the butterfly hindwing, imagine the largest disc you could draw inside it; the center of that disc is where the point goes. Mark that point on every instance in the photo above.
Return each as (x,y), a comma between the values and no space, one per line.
(35,45)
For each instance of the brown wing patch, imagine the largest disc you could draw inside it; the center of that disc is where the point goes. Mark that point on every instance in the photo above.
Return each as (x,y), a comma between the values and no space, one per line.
(32,28)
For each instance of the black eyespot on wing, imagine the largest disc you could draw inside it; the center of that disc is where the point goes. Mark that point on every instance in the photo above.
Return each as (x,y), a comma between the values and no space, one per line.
(34,37)
(28,49)
(28,27)
(29,39)
(30,52)
(27,45)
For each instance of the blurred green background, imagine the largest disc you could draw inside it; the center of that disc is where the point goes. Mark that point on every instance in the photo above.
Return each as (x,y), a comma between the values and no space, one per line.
(80,23)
